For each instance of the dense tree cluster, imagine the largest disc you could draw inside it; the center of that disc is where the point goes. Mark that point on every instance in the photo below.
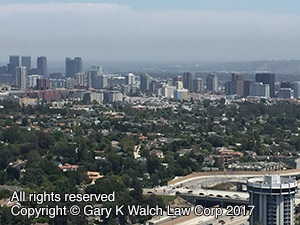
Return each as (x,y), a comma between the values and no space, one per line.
(84,138)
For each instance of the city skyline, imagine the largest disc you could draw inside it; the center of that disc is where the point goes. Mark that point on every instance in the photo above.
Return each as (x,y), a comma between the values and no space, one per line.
(157,32)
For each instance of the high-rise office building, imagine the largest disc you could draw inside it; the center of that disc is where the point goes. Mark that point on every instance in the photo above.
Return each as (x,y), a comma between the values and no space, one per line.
(43,84)
(70,67)
(230,88)
(296,88)
(179,85)
(198,85)
(21,78)
(188,79)
(181,94)
(212,82)
(80,79)
(238,79)
(32,80)
(286,93)
(154,85)
(247,84)
(41,63)
(95,78)
(168,91)
(73,66)
(175,79)
(14,62)
(273,198)
(70,83)
(26,61)
(260,90)
(3,70)
(78,65)
(145,81)
(99,81)
(267,78)
(129,79)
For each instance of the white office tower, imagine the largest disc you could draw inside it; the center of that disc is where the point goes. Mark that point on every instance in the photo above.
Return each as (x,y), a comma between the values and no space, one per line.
(129,79)
(273,198)
(95,77)
(260,90)
(296,88)
(21,78)
(32,80)
(168,91)
(80,79)
(212,82)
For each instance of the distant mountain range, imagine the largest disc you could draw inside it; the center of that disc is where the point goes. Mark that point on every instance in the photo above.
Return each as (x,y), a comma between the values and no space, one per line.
(291,67)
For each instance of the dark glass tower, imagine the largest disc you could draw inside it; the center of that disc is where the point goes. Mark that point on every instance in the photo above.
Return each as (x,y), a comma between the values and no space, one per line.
(145,81)
(267,78)
(42,66)
(73,66)
(26,61)
(14,62)
(188,79)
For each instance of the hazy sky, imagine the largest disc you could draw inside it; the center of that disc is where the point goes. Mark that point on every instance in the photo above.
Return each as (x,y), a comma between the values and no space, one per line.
(156,30)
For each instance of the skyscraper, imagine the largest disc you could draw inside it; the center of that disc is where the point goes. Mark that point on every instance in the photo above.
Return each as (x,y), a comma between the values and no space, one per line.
(21,77)
(41,63)
(26,61)
(129,79)
(80,79)
(177,78)
(273,198)
(212,82)
(247,84)
(267,78)
(188,79)
(95,78)
(230,88)
(296,88)
(73,66)
(238,79)
(260,90)
(179,85)
(286,93)
(145,82)
(198,85)
(43,84)
(14,62)
(78,65)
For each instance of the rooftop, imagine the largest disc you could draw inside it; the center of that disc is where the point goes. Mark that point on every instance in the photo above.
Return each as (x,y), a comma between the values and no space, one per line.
(273,181)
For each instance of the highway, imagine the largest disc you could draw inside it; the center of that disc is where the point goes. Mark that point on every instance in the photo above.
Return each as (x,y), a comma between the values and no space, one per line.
(236,174)
(201,220)
(196,185)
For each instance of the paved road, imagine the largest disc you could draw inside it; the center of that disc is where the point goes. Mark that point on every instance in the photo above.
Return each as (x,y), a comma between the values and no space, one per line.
(201,220)
(199,175)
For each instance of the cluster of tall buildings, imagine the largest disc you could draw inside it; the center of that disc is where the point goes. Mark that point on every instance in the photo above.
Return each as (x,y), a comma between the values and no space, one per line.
(179,86)
(20,73)
(19,68)
(263,86)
